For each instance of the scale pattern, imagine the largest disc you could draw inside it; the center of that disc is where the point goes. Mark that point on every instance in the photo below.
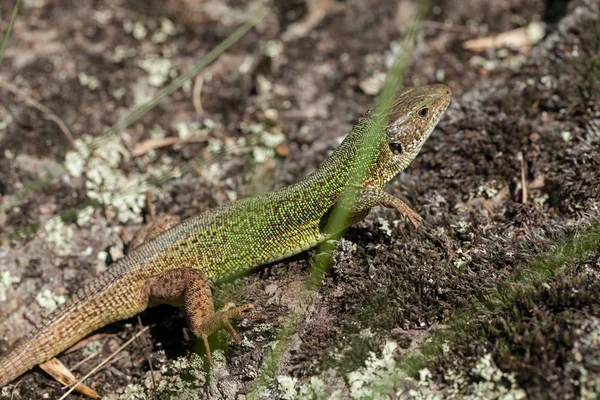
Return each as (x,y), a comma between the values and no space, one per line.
(239,236)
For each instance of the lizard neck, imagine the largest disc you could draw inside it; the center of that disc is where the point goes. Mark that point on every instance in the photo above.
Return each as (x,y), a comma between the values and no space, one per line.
(347,163)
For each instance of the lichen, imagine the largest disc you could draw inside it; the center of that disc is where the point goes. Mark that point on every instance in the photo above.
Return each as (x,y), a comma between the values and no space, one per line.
(89,81)
(484,381)
(6,280)
(315,388)
(105,183)
(58,236)
(49,301)
(379,377)
(159,69)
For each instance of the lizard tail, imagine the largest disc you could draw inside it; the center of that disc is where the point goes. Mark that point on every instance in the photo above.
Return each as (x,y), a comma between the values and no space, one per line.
(63,328)
(17,361)
(91,308)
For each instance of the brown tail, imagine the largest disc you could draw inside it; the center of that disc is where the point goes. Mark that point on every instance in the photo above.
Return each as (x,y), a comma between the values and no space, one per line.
(100,303)
(63,328)
(19,359)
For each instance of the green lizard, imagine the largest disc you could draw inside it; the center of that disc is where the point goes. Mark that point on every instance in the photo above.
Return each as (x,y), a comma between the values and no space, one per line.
(177,265)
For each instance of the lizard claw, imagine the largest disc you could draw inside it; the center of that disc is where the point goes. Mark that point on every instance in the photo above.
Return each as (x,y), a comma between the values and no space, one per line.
(223,317)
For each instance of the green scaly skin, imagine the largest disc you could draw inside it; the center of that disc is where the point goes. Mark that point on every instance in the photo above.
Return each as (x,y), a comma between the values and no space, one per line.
(176,266)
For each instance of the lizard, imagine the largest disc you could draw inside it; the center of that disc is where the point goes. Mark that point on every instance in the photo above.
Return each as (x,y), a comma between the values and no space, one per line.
(178,265)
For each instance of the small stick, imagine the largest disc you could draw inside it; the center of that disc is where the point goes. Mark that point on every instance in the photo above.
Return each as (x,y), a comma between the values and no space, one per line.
(104,362)
(147,348)
(14,389)
(47,113)
(198,83)
(151,214)
(451,27)
(523,180)
(94,354)
(488,209)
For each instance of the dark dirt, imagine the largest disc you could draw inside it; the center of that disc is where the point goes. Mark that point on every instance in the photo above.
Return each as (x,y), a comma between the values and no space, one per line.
(83,61)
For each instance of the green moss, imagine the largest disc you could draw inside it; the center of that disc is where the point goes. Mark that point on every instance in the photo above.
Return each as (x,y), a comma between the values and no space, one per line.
(521,283)
(546,336)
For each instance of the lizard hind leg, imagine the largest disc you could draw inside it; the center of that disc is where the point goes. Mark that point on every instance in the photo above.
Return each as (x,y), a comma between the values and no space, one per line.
(191,288)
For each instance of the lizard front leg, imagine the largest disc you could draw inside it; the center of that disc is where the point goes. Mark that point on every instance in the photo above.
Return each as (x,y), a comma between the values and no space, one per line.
(371,197)
(191,288)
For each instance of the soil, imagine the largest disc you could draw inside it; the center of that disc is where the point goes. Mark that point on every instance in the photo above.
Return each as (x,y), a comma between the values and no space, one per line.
(526,116)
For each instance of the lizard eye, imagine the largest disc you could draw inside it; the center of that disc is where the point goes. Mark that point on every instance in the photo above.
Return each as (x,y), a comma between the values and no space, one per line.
(423,112)
(396,148)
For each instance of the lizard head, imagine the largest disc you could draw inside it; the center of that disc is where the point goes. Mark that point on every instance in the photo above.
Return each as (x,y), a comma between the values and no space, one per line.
(413,116)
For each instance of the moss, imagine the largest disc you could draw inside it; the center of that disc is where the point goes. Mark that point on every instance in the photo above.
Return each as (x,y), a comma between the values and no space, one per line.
(545,336)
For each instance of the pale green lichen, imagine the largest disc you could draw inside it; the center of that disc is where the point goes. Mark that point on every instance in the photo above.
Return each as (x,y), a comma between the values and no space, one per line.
(315,389)
(384,225)
(104,181)
(49,301)
(6,119)
(175,378)
(272,140)
(490,189)
(135,28)
(463,259)
(384,377)
(589,386)
(131,392)
(167,28)
(587,381)
(58,236)
(484,381)
(536,31)
(379,377)
(273,49)
(265,142)
(84,216)
(159,69)
(92,348)
(227,15)
(157,132)
(6,280)
(566,136)
(263,85)
(89,81)
(34,3)
(262,154)
(184,378)
(118,93)
(75,164)
(192,130)
(494,382)
(252,128)
(446,347)
(120,53)
(246,65)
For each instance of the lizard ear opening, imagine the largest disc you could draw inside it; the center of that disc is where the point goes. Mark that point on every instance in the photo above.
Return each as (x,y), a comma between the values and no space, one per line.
(396,148)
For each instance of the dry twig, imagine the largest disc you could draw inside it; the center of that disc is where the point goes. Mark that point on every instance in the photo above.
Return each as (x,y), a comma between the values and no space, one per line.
(47,113)
(104,362)
(196,100)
